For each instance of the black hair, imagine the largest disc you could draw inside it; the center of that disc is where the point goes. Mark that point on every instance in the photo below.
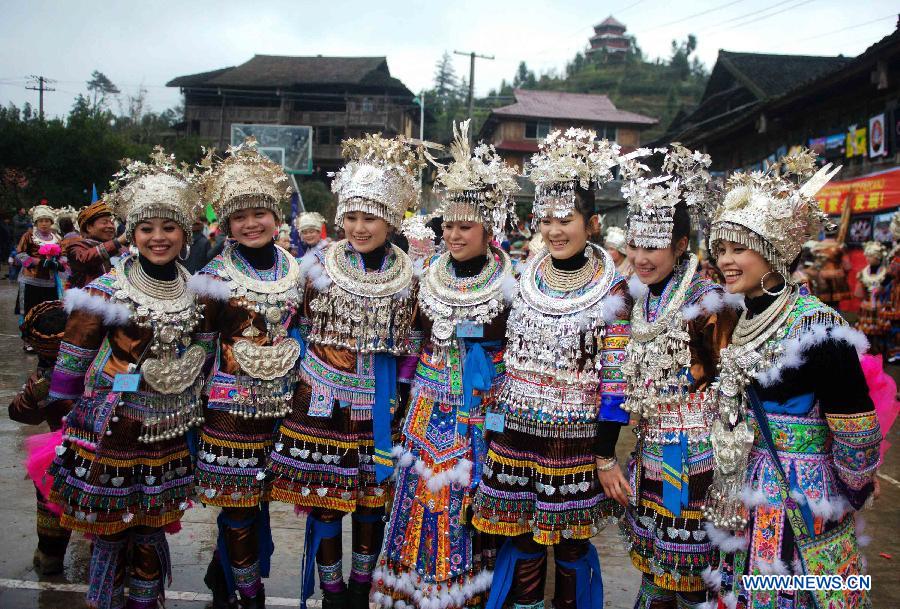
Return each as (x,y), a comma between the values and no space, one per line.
(682,222)
(66,225)
(585,202)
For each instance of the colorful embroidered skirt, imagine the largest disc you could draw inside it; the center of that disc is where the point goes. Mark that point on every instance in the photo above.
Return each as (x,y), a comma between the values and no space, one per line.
(120,483)
(429,549)
(544,486)
(231,457)
(873,321)
(674,550)
(325,462)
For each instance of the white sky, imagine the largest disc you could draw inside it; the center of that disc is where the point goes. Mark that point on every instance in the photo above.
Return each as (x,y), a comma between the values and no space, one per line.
(139,42)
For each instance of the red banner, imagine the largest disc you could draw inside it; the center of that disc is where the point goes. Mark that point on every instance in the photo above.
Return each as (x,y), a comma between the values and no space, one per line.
(872,193)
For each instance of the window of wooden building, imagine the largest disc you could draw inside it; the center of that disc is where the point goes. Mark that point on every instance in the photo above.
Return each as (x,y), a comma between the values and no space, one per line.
(535,130)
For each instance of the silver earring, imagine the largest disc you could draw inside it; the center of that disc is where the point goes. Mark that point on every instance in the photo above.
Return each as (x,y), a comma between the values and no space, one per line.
(762,284)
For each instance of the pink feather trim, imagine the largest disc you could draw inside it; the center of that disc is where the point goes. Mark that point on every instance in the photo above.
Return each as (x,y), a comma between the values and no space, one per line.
(49,249)
(41,451)
(883,391)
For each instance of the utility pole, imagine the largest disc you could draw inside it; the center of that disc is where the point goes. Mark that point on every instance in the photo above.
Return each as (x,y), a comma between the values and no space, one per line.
(421,101)
(472,55)
(39,84)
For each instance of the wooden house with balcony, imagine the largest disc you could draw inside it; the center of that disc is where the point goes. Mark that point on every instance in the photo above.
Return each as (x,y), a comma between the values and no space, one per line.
(339,97)
(515,130)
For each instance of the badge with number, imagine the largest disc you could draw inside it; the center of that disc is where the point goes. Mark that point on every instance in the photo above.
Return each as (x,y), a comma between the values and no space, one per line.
(126,383)
(494,421)
(469,329)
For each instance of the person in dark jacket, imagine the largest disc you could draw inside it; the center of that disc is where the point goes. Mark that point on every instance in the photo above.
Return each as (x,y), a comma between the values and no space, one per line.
(198,255)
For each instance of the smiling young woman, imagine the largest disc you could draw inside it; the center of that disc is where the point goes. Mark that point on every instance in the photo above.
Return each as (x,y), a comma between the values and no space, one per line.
(251,297)
(559,404)
(792,370)
(431,556)
(131,366)
(678,326)
(332,452)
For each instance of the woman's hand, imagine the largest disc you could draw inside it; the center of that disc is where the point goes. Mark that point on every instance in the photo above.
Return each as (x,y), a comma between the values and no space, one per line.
(613,482)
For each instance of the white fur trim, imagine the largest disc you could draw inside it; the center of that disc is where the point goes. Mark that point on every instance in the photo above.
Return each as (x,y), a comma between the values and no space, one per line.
(510,287)
(794,349)
(460,474)
(730,600)
(635,287)
(735,301)
(860,525)
(712,302)
(712,577)
(613,307)
(797,566)
(307,262)
(418,268)
(753,497)
(455,595)
(775,567)
(112,313)
(690,312)
(725,541)
(209,286)
(830,509)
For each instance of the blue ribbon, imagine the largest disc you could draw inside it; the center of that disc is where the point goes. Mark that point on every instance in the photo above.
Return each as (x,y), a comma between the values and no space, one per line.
(611,409)
(477,374)
(504,572)
(316,531)
(588,579)
(385,366)
(675,478)
(263,535)
(297,336)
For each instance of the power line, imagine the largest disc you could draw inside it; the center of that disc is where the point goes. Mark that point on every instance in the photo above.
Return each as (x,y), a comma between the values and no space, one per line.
(700,14)
(849,27)
(784,10)
(472,55)
(630,6)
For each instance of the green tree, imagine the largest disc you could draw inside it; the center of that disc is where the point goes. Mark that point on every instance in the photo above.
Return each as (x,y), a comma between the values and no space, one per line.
(100,88)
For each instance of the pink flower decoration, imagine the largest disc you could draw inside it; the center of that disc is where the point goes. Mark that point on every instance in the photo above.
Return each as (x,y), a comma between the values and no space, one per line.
(49,249)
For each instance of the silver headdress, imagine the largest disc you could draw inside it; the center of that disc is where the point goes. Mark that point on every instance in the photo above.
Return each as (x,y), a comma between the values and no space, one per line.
(309,219)
(245,179)
(567,160)
(420,237)
(771,214)
(615,238)
(158,189)
(874,248)
(379,177)
(42,211)
(479,185)
(652,200)
(895,226)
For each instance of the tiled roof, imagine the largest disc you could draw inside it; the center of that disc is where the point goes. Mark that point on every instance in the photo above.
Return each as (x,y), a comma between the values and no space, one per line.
(569,106)
(767,75)
(611,21)
(288,71)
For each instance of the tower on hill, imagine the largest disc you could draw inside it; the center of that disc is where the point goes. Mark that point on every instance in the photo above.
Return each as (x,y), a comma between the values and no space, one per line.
(609,36)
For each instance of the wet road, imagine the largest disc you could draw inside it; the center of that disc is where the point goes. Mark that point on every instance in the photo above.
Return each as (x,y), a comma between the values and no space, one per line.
(192,548)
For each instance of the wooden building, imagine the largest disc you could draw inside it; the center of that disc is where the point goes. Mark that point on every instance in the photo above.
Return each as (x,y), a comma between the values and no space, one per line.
(339,97)
(515,130)
(609,37)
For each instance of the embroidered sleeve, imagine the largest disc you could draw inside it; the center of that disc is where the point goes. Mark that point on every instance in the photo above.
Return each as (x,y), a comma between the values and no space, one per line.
(84,255)
(612,416)
(857,438)
(22,255)
(80,345)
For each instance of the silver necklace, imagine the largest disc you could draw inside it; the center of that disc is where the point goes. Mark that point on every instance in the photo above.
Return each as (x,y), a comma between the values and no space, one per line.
(658,351)
(566,304)
(445,300)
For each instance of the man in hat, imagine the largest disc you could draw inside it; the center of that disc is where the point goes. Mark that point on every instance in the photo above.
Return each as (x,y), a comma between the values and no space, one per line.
(89,256)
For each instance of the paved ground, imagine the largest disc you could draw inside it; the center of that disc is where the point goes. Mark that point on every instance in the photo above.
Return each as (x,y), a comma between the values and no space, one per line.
(191,549)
